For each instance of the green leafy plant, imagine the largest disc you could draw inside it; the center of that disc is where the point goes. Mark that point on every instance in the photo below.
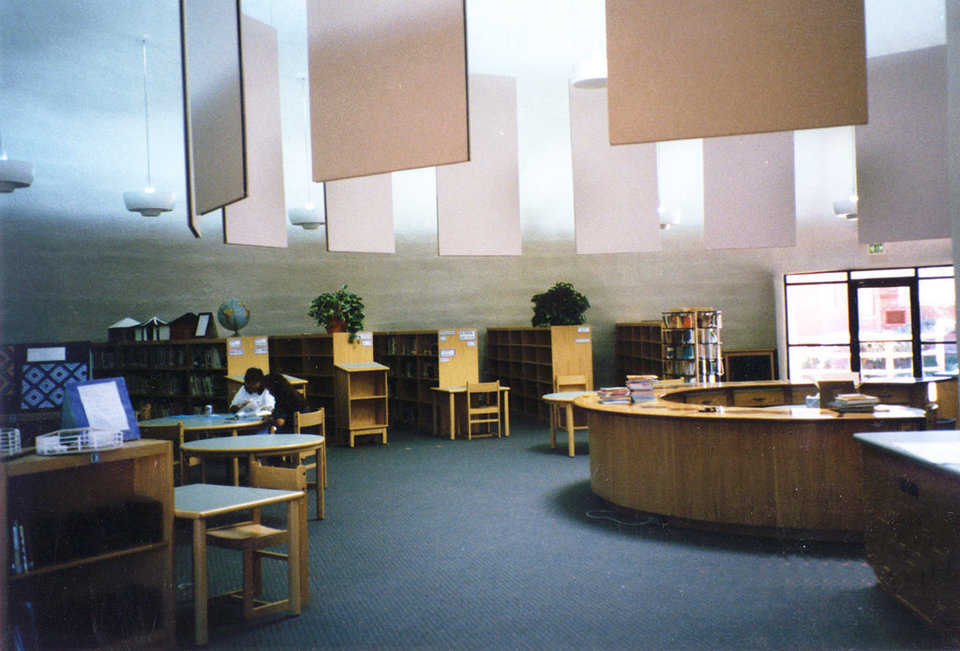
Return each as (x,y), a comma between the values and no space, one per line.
(338,311)
(559,305)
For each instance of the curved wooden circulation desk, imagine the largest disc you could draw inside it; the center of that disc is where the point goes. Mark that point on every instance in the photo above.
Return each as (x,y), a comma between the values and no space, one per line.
(787,471)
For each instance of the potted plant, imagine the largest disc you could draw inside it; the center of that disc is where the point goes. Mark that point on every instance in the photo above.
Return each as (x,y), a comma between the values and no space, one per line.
(559,305)
(339,311)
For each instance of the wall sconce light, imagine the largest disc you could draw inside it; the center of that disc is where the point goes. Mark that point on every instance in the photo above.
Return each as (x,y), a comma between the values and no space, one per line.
(667,218)
(846,208)
(591,73)
(149,202)
(14,173)
(307,216)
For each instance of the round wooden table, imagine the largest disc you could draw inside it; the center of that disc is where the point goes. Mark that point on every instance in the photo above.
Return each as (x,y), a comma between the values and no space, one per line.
(254,446)
(565,400)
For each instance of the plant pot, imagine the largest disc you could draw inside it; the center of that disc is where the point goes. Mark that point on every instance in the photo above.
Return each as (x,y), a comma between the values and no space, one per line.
(336,325)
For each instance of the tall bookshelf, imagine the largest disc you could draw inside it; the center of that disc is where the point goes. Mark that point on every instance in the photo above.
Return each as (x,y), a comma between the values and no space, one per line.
(420,360)
(527,359)
(179,377)
(98,567)
(638,348)
(691,344)
(312,357)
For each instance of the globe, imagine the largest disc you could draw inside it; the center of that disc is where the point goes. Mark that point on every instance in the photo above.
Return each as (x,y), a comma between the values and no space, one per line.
(233,314)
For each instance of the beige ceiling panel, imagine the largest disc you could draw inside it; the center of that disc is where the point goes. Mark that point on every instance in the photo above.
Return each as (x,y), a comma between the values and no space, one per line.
(702,68)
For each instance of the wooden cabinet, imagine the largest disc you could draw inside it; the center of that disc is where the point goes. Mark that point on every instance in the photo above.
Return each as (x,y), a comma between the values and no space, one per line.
(361,400)
(420,360)
(691,344)
(178,377)
(312,358)
(639,349)
(528,359)
(98,567)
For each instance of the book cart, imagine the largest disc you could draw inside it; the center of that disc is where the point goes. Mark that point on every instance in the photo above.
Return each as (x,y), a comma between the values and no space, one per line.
(528,359)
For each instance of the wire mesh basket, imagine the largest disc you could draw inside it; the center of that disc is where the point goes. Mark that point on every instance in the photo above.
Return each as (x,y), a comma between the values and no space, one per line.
(9,441)
(79,439)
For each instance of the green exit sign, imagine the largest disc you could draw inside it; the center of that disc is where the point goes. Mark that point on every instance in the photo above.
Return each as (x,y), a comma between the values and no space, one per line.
(875,249)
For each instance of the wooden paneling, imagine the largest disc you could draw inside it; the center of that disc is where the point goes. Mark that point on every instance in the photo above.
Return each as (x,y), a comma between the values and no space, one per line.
(902,166)
(388,87)
(478,203)
(689,69)
(614,188)
(260,218)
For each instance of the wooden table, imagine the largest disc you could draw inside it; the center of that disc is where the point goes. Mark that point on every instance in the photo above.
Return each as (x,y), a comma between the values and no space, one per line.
(452,392)
(197,423)
(254,446)
(556,401)
(198,502)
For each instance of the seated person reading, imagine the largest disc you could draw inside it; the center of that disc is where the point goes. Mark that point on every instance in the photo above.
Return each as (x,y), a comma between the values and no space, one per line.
(288,400)
(253,398)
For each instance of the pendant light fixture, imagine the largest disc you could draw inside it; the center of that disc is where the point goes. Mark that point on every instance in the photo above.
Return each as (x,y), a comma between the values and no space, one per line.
(149,201)
(847,207)
(13,173)
(308,215)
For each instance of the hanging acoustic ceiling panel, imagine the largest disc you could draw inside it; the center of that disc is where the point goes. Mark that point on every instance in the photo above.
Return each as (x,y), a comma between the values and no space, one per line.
(749,200)
(697,68)
(388,85)
(213,106)
(360,214)
(614,188)
(261,218)
(902,154)
(478,203)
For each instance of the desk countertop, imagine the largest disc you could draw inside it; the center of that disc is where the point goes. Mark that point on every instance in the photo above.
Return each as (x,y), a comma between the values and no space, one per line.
(938,449)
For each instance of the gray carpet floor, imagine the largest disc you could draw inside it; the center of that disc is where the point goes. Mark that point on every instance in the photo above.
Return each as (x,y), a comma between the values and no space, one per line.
(499,543)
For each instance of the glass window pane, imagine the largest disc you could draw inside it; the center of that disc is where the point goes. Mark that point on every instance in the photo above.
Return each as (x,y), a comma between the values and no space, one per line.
(938,318)
(818,362)
(882,273)
(818,314)
(935,272)
(884,313)
(886,359)
(831,276)
(939,358)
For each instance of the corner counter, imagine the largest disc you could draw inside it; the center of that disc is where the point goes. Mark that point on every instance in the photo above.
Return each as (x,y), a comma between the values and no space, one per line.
(775,469)
(911,488)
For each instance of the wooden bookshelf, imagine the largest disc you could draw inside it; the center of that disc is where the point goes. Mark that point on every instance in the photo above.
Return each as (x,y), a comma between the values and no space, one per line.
(527,359)
(420,360)
(638,348)
(361,400)
(179,377)
(90,583)
(312,357)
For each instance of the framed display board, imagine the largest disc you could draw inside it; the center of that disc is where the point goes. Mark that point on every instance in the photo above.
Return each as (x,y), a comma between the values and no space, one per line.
(100,403)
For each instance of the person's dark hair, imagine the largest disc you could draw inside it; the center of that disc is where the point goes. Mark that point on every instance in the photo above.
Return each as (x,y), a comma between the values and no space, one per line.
(284,392)
(253,374)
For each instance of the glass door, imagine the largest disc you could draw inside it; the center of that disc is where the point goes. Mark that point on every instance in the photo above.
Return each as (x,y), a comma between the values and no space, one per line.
(884,330)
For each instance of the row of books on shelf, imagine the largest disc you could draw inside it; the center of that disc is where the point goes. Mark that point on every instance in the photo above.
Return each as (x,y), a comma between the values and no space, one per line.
(62,538)
(409,347)
(160,356)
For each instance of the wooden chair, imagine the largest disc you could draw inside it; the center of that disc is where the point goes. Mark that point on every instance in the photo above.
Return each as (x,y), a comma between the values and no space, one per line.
(571,383)
(483,409)
(315,420)
(173,433)
(947,403)
(252,538)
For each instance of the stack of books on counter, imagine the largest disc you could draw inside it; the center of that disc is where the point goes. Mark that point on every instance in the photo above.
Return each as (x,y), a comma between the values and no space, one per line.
(610,395)
(854,402)
(641,387)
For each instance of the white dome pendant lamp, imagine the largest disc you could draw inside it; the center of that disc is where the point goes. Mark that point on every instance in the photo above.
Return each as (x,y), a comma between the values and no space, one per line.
(308,215)
(14,173)
(149,201)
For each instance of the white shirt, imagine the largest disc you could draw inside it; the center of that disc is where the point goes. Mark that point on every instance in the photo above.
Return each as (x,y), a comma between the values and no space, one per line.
(261,401)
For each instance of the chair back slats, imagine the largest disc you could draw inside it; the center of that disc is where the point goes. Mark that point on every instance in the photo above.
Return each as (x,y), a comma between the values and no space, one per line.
(570,383)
